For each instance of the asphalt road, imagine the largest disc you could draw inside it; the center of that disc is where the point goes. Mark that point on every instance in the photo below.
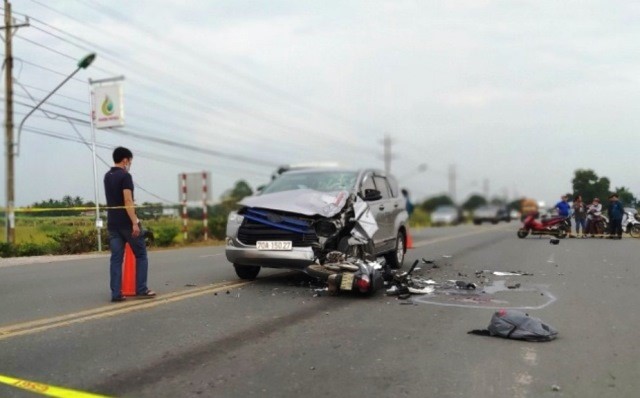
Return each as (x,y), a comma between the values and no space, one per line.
(210,335)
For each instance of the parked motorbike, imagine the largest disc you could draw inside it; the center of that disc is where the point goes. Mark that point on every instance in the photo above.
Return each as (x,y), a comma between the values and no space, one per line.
(554,226)
(630,224)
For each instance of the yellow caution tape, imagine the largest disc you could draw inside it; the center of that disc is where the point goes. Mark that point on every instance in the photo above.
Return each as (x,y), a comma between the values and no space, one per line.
(80,208)
(45,389)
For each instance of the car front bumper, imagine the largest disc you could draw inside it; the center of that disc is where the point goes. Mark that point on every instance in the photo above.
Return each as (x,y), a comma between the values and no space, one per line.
(241,254)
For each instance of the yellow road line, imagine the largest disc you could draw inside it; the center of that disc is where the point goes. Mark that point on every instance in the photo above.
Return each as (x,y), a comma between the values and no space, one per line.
(40,325)
(447,238)
(46,389)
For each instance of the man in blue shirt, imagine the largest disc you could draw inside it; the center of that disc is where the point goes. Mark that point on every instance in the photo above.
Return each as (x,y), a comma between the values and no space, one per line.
(123,226)
(563,209)
(616,212)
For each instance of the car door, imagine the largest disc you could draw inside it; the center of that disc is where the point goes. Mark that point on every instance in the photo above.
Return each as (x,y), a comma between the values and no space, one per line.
(375,207)
(386,213)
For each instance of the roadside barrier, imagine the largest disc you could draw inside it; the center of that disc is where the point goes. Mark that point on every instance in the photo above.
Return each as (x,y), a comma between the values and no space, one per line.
(45,389)
(128,272)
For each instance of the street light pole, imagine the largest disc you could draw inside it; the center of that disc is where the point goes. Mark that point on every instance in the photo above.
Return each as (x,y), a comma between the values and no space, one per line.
(82,64)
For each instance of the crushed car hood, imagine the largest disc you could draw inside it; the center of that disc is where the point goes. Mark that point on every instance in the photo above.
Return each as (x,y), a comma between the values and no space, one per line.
(308,202)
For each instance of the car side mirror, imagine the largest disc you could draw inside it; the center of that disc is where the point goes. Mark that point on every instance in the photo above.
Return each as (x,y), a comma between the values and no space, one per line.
(372,194)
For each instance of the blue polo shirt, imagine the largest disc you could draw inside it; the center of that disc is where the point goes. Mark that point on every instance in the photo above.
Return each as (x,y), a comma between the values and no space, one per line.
(563,208)
(115,181)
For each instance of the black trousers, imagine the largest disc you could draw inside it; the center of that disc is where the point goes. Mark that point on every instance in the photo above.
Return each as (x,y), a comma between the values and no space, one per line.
(615,227)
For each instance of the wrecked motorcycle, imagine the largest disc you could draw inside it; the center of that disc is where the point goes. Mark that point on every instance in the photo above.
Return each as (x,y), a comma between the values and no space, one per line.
(555,226)
(344,273)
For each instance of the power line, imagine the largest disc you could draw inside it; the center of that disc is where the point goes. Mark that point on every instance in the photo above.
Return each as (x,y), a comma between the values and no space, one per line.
(194,148)
(228,71)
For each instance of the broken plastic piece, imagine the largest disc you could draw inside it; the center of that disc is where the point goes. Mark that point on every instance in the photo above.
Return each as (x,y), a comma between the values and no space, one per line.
(424,290)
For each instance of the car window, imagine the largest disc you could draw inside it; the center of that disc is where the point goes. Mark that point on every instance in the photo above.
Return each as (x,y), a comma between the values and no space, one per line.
(367,183)
(393,185)
(325,181)
(382,186)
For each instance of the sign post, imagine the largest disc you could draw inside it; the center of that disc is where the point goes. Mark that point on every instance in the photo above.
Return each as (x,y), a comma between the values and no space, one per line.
(195,187)
(107,111)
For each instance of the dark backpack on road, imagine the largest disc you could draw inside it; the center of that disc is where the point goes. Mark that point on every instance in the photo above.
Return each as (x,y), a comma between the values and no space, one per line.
(514,324)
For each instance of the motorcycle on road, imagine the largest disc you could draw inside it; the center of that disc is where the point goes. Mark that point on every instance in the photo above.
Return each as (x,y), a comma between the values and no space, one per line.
(630,224)
(554,226)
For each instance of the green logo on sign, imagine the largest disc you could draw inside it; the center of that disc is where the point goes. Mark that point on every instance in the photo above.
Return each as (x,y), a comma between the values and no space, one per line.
(107,106)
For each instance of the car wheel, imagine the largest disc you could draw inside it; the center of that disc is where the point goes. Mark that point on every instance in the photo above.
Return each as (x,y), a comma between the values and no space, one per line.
(396,258)
(477,222)
(246,271)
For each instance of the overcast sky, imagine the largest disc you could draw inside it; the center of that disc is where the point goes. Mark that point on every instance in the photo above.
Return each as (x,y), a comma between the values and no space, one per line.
(517,93)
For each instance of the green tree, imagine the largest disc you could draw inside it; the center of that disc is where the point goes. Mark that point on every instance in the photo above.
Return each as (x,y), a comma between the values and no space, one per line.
(587,183)
(515,204)
(217,214)
(626,197)
(241,190)
(474,202)
(441,200)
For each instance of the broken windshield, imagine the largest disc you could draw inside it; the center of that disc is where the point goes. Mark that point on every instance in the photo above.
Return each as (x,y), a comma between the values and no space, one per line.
(324,181)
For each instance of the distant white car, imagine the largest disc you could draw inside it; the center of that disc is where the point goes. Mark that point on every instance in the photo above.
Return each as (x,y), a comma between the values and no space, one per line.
(446,215)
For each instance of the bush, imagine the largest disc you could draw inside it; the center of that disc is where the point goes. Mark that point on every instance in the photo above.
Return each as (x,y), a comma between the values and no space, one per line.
(77,241)
(7,250)
(34,249)
(218,226)
(165,235)
(419,218)
(196,233)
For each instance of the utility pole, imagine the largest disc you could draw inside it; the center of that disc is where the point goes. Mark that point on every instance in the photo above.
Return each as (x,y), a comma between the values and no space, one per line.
(485,189)
(452,182)
(10,172)
(387,156)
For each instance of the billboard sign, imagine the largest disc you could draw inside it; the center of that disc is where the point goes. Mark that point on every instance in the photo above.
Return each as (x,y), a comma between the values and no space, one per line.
(108,109)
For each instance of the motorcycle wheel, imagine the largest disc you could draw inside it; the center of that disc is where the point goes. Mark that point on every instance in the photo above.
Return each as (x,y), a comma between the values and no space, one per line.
(634,231)
(562,233)
(523,233)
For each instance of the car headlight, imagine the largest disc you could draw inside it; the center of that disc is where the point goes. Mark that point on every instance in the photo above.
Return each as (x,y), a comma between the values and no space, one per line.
(235,218)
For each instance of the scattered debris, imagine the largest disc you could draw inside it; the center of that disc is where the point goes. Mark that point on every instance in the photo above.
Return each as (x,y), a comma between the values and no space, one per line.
(446,256)
(465,285)
(190,285)
(554,241)
(424,290)
(432,263)
(516,286)
(510,273)
(555,387)
(514,324)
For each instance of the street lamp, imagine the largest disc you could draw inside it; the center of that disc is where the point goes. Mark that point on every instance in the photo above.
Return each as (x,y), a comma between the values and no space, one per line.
(10,216)
(82,64)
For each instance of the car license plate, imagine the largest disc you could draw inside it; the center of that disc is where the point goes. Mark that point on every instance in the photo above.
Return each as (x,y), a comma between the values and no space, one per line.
(347,281)
(274,245)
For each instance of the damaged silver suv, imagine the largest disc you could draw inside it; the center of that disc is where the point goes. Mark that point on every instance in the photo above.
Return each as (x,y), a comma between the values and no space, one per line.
(302,215)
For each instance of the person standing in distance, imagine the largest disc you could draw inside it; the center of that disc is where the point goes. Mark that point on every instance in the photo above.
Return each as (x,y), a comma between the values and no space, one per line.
(123,226)
(616,212)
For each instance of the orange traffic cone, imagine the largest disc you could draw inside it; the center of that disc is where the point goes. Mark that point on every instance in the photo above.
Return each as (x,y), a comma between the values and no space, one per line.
(409,240)
(128,272)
